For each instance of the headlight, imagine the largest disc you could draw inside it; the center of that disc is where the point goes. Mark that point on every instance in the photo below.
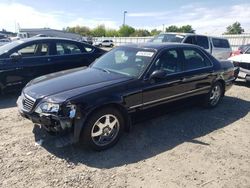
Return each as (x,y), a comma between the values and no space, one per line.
(47,108)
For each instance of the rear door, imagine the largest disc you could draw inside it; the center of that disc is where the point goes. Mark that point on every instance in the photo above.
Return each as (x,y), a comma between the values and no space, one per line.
(69,54)
(198,71)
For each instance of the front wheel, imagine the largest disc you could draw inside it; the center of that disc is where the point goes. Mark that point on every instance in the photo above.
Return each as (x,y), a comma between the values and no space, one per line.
(103,129)
(213,98)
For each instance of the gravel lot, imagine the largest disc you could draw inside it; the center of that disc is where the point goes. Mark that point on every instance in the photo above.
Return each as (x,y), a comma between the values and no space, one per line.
(180,147)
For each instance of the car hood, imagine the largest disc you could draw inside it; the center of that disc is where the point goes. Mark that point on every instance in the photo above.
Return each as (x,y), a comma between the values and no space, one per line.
(60,86)
(241,58)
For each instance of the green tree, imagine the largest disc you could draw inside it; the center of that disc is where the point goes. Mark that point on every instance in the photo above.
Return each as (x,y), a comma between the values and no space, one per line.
(82,30)
(112,33)
(155,32)
(235,28)
(99,31)
(182,29)
(126,31)
(172,28)
(187,29)
(140,33)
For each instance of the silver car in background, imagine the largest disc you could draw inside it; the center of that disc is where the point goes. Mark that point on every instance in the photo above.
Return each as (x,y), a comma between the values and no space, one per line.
(217,46)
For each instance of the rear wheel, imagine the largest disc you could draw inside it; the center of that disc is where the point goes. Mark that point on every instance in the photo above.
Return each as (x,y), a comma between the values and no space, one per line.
(213,98)
(103,129)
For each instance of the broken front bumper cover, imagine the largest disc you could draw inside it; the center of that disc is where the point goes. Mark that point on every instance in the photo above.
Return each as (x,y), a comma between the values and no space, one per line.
(51,122)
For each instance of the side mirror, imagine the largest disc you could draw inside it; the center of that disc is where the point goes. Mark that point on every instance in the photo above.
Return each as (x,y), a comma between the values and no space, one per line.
(15,57)
(158,74)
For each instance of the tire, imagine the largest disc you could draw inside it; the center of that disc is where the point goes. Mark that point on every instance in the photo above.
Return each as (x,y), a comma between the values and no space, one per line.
(99,133)
(111,45)
(213,98)
(100,45)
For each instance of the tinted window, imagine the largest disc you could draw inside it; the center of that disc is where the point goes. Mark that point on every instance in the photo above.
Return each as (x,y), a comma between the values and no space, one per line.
(194,59)
(202,41)
(167,38)
(190,40)
(220,43)
(88,49)
(41,49)
(169,62)
(67,48)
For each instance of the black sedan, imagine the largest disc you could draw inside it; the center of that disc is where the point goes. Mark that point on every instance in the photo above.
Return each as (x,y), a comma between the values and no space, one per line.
(95,103)
(24,60)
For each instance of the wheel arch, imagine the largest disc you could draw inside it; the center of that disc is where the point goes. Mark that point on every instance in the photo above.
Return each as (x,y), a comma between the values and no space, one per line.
(223,85)
(79,123)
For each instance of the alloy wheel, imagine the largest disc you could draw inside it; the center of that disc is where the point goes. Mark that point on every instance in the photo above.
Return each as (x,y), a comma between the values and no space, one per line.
(105,130)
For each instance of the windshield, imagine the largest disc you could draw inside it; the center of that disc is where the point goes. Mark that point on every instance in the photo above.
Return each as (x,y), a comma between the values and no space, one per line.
(5,48)
(168,38)
(125,60)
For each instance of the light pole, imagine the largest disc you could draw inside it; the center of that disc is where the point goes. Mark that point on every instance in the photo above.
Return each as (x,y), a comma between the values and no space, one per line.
(124,15)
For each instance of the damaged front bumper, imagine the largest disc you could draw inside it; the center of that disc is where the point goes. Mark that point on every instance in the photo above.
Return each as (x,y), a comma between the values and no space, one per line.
(54,123)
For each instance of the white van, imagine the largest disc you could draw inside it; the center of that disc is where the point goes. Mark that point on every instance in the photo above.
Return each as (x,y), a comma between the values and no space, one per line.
(218,47)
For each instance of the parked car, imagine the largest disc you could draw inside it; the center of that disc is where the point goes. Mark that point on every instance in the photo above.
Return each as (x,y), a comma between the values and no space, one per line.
(242,62)
(105,43)
(95,103)
(25,59)
(4,41)
(241,50)
(218,47)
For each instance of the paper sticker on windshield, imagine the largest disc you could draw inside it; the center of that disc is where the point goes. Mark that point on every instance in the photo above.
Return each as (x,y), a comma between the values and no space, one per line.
(145,54)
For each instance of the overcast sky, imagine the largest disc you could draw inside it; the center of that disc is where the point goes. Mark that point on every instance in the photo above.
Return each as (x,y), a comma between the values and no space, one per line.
(210,17)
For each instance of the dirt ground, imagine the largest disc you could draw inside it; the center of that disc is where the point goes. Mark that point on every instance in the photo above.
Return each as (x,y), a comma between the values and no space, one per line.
(185,147)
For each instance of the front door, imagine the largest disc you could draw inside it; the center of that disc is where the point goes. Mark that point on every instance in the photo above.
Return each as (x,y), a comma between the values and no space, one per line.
(159,91)
(33,62)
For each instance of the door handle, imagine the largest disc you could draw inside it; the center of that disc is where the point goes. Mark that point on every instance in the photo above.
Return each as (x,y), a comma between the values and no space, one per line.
(49,59)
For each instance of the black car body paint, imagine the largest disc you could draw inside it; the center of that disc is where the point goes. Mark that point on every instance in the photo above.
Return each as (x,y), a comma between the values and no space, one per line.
(91,88)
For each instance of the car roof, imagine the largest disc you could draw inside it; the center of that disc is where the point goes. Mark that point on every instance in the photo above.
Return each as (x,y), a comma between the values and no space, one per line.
(192,34)
(45,38)
(159,46)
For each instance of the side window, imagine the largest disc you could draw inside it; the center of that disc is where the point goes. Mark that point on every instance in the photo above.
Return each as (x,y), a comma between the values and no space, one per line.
(202,41)
(190,40)
(88,48)
(220,43)
(194,59)
(169,62)
(67,49)
(28,51)
(40,49)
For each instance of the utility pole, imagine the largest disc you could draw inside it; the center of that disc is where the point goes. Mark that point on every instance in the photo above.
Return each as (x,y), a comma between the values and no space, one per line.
(124,15)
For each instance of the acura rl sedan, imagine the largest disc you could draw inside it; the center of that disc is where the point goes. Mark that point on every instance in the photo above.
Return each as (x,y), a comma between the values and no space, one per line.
(95,104)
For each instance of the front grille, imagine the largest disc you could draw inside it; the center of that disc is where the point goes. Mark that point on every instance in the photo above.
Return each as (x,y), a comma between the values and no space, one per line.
(28,103)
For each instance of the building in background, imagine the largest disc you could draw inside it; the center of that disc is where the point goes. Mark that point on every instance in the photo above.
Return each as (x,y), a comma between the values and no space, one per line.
(46,32)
